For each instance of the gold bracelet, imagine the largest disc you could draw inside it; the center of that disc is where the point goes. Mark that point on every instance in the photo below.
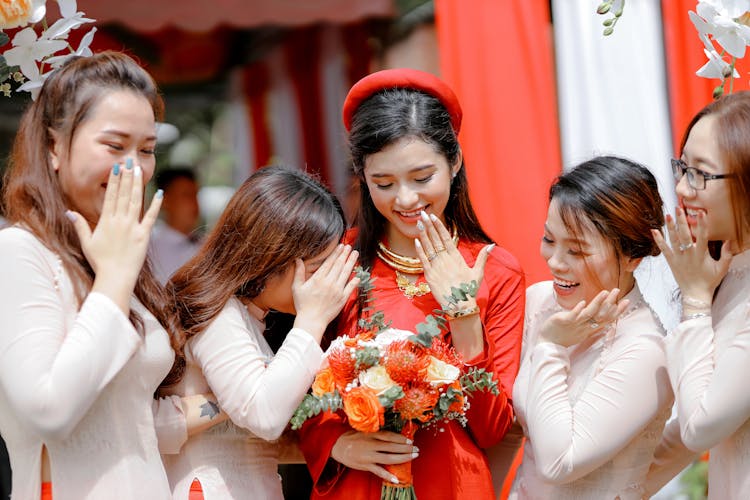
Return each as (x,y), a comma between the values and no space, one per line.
(462,313)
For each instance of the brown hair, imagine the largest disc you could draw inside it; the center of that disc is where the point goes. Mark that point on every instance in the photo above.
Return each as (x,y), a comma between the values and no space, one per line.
(33,197)
(619,197)
(732,134)
(277,215)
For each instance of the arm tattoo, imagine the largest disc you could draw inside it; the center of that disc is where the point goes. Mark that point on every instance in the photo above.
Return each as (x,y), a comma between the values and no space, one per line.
(210,409)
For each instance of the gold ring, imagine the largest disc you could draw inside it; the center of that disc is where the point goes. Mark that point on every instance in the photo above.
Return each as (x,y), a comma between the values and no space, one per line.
(431,256)
(593,324)
(440,249)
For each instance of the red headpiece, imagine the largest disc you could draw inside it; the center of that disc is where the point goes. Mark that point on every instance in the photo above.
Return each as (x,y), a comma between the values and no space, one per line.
(402,78)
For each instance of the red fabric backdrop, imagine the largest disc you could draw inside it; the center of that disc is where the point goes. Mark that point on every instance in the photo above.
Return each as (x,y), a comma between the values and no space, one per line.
(498,58)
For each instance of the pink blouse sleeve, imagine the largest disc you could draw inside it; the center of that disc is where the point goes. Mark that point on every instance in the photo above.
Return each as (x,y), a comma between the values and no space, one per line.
(52,373)
(570,440)
(257,391)
(712,396)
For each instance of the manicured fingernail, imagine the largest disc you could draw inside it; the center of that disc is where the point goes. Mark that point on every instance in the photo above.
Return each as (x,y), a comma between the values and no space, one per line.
(129,163)
(138,171)
(423,214)
(420,226)
(394,479)
(491,248)
(417,244)
(433,218)
(159,194)
(414,455)
(409,441)
(70,215)
(116,169)
(415,450)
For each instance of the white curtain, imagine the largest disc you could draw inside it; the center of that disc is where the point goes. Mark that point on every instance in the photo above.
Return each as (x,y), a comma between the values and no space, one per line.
(612,95)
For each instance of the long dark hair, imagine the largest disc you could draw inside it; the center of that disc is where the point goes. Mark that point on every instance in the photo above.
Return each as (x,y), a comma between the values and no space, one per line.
(618,196)
(732,134)
(277,215)
(384,118)
(33,196)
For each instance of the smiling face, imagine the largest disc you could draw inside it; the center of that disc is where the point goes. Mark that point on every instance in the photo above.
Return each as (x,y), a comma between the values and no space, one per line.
(277,293)
(119,126)
(582,264)
(403,178)
(702,152)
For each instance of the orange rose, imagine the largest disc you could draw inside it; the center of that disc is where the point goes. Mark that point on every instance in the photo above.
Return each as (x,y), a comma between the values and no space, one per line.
(364,410)
(458,405)
(14,13)
(324,382)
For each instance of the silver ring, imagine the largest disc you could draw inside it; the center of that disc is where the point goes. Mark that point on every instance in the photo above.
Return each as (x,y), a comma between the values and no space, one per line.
(684,247)
(440,249)
(593,324)
(431,257)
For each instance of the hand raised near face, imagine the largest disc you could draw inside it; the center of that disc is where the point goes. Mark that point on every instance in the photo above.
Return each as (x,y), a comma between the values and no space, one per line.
(695,271)
(444,266)
(567,328)
(321,297)
(116,248)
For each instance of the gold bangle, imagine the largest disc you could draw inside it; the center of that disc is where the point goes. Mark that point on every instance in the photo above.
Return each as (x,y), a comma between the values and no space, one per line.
(462,313)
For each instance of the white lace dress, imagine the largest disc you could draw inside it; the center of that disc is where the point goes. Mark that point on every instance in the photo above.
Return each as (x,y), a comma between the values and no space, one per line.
(709,364)
(238,459)
(592,413)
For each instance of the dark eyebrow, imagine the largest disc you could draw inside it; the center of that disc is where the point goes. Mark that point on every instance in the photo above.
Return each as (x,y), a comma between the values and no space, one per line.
(411,171)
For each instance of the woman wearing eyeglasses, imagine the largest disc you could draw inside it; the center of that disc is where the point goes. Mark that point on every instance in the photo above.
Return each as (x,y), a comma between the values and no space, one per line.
(708,354)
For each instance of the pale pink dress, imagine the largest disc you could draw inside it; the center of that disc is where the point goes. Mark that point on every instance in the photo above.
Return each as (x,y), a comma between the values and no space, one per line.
(593,413)
(80,382)
(709,364)
(238,459)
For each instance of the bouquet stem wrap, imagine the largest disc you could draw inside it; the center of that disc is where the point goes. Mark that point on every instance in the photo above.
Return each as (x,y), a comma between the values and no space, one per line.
(404,490)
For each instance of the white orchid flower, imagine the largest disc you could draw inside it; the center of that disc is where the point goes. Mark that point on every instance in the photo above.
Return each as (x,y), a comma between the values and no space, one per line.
(720,18)
(715,67)
(83,50)
(27,50)
(71,19)
(33,86)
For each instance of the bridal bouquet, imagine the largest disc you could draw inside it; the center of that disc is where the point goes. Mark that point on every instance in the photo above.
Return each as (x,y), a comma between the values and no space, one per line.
(396,380)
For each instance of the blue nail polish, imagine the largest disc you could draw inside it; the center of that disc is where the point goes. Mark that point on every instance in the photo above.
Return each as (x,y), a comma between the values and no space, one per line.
(129,163)
(160,194)
(116,169)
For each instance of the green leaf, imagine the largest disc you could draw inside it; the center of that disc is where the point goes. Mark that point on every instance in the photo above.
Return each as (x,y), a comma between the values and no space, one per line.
(366,357)
(5,70)
(311,405)
(479,379)
(390,396)
(427,330)
(4,38)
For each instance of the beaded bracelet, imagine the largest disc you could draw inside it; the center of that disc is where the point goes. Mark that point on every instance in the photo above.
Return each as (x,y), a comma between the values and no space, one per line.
(695,316)
(462,313)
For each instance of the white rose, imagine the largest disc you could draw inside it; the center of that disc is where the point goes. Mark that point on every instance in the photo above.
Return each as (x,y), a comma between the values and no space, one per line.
(377,379)
(441,373)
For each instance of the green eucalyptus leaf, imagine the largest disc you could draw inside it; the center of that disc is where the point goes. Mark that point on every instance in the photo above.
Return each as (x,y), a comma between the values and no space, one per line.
(4,38)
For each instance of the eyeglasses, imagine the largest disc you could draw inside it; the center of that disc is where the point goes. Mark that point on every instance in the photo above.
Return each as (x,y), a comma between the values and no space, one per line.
(696,178)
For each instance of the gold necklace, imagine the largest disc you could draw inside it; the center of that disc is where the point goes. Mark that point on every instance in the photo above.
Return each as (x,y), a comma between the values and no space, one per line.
(407,265)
